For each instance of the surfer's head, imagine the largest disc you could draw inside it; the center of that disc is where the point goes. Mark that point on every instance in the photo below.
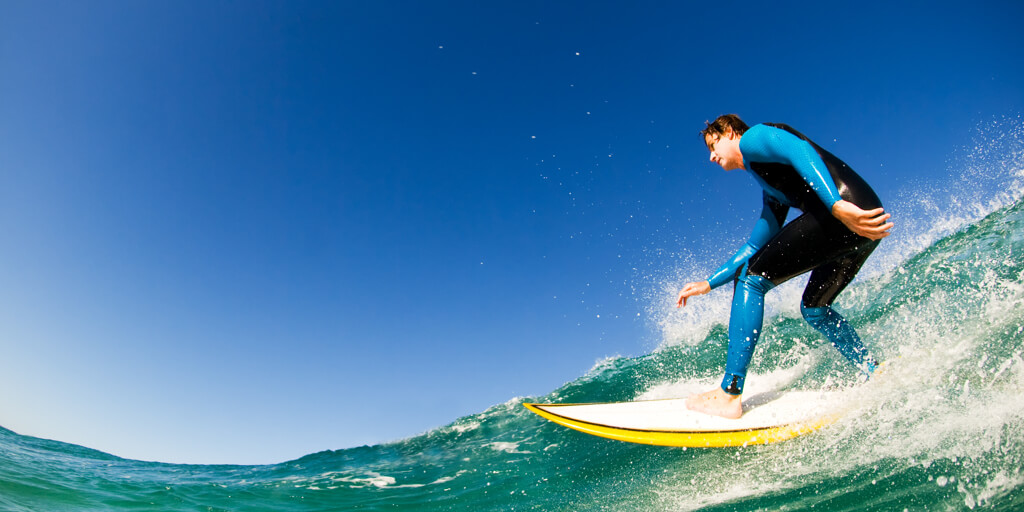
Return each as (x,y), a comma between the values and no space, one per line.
(723,124)
(722,137)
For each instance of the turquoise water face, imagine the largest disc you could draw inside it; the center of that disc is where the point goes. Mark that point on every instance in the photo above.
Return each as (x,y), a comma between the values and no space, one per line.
(941,429)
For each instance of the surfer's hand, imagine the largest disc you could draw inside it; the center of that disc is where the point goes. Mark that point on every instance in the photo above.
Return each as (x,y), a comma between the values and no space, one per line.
(691,289)
(866,223)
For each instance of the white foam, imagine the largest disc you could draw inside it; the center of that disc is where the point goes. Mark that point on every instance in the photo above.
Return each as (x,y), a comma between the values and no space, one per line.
(371,479)
(505,447)
(464,427)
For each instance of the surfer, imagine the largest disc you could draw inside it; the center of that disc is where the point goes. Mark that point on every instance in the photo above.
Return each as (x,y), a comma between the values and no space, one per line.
(842,223)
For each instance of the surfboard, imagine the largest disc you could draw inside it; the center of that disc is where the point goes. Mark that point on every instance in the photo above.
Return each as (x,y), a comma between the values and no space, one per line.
(767,418)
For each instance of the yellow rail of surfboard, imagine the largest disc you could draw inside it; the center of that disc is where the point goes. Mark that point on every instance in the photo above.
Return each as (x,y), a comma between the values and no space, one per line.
(710,439)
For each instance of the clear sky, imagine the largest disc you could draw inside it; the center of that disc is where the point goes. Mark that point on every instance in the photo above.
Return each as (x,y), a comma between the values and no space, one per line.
(247,231)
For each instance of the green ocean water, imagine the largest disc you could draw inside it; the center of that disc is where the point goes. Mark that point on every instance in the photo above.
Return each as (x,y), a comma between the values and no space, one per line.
(941,429)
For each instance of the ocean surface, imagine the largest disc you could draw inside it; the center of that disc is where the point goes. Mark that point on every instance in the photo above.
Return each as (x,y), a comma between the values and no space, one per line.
(941,429)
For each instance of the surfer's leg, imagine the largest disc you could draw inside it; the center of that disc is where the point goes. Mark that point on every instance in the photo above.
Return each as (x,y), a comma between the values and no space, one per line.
(782,258)
(745,322)
(808,243)
(744,328)
(825,283)
(800,246)
(837,330)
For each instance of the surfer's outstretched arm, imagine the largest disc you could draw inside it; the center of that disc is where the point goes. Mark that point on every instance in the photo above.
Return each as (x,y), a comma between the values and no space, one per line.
(773,214)
(691,289)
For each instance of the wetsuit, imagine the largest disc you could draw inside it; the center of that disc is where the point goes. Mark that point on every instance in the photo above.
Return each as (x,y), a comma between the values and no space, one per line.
(795,172)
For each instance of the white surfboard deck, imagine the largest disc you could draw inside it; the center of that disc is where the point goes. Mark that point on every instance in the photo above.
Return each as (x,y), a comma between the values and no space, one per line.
(767,417)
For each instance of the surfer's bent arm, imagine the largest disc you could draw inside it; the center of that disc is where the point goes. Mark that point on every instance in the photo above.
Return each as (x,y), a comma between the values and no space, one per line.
(768,144)
(773,214)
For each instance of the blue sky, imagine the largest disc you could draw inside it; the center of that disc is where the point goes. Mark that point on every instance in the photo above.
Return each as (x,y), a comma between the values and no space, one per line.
(247,231)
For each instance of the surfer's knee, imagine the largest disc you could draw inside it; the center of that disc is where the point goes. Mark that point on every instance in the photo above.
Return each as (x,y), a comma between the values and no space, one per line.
(755,282)
(817,317)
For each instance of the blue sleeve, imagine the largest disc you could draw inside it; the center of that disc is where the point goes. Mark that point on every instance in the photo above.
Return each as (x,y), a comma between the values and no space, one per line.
(762,143)
(773,214)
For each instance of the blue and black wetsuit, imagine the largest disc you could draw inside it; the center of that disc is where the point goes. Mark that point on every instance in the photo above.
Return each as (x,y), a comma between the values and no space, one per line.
(795,172)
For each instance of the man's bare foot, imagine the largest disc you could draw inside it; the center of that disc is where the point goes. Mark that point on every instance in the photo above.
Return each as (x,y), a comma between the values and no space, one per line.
(716,403)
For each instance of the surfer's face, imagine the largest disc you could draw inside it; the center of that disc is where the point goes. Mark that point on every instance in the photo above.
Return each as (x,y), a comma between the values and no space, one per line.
(725,150)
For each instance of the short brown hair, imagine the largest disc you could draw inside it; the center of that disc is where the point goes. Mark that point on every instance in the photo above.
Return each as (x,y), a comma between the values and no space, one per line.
(723,123)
